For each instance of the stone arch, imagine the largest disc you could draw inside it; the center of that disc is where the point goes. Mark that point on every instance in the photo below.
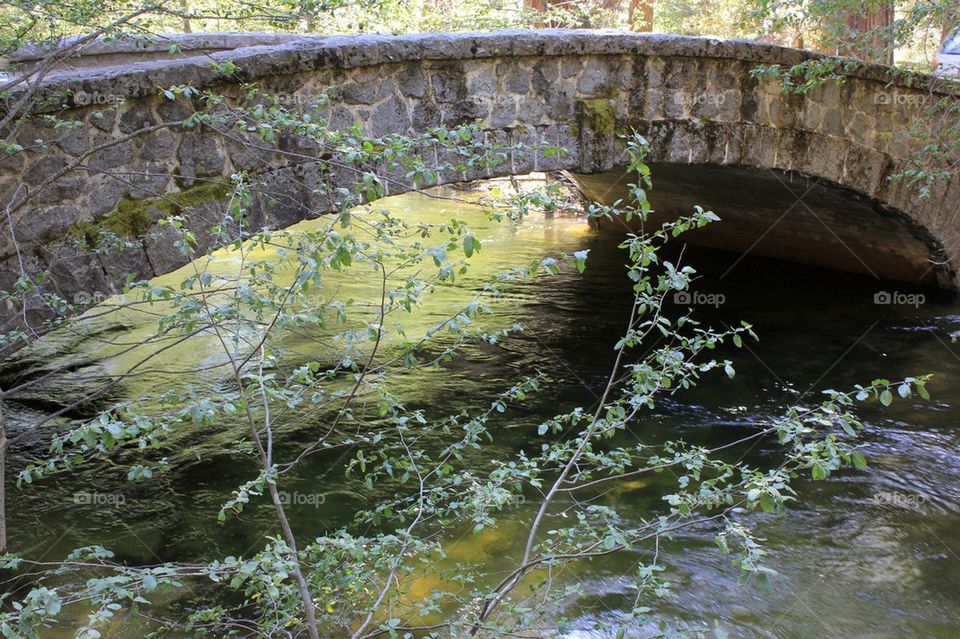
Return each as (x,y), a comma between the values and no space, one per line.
(793,195)
(696,99)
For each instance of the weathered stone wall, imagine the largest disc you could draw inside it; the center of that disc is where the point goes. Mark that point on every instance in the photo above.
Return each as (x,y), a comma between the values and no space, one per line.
(694,98)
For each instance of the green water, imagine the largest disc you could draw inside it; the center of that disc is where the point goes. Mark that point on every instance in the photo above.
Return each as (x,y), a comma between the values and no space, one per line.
(864,554)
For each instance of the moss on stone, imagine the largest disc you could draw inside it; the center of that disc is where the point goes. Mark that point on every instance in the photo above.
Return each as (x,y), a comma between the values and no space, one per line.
(133,218)
(598,115)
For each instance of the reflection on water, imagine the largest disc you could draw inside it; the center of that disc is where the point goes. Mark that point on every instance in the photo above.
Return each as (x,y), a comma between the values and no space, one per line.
(864,554)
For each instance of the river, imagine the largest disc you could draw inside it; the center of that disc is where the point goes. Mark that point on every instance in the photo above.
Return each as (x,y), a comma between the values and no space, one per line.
(869,553)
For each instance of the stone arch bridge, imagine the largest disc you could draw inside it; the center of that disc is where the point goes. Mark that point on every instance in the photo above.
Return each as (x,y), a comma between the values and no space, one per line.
(797,177)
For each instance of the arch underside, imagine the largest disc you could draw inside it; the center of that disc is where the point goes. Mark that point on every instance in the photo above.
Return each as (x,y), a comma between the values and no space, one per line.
(782,193)
(787,216)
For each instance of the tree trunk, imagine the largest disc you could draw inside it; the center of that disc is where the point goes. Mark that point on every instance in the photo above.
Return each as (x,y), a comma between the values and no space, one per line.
(184,12)
(644,22)
(3,479)
(864,21)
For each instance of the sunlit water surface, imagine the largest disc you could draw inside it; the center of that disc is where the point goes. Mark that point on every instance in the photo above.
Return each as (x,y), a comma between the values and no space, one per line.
(863,554)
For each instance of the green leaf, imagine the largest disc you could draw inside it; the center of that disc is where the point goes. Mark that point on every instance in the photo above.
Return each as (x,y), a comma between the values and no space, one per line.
(149,583)
(859,461)
(886,398)
(581,259)
(767,502)
(470,244)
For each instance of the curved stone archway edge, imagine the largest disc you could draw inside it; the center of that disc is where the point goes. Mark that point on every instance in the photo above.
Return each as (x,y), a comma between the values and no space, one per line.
(101,53)
(694,98)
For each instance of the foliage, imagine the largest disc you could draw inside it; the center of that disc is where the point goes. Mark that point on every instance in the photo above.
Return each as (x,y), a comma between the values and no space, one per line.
(719,18)
(354,580)
(911,38)
(50,22)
